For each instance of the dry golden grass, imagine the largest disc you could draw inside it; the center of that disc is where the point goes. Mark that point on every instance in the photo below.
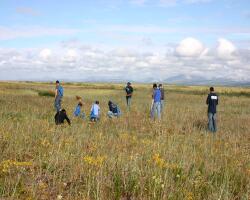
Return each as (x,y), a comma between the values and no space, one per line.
(127,158)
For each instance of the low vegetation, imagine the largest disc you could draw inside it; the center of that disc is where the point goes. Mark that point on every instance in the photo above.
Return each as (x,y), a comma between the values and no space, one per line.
(131,157)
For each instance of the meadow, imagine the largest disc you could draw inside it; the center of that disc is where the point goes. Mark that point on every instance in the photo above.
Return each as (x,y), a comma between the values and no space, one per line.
(131,157)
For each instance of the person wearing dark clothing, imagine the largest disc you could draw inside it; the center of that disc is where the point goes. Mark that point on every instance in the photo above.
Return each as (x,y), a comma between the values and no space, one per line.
(212,102)
(162,96)
(114,110)
(61,116)
(129,92)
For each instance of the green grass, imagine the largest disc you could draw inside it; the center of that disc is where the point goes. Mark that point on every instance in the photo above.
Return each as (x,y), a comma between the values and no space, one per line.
(127,158)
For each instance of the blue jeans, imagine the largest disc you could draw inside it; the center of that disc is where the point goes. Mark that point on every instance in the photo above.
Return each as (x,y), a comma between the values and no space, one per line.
(57,103)
(111,114)
(162,105)
(212,126)
(156,109)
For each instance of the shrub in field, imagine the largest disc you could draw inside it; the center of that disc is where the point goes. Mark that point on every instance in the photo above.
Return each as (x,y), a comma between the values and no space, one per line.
(46,93)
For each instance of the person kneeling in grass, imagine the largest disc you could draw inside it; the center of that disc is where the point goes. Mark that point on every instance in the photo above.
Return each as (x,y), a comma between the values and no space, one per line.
(61,116)
(114,110)
(77,112)
(95,112)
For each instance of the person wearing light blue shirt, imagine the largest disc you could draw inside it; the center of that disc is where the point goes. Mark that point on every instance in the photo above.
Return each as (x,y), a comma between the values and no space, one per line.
(95,112)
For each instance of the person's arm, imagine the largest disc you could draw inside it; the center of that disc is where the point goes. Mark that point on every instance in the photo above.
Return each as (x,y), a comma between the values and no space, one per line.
(66,117)
(217,101)
(207,102)
(56,92)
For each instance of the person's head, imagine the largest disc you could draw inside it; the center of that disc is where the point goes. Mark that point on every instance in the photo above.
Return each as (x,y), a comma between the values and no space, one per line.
(97,102)
(128,83)
(211,89)
(63,110)
(154,86)
(160,85)
(80,104)
(110,103)
(57,82)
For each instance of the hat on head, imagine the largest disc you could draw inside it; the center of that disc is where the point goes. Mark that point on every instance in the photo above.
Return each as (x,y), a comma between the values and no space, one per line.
(57,81)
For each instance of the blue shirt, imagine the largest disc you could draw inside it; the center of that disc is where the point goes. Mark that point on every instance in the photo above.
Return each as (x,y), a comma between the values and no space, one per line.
(157,95)
(77,111)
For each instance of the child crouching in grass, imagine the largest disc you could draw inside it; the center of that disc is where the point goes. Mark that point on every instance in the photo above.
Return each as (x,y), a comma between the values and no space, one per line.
(95,112)
(77,112)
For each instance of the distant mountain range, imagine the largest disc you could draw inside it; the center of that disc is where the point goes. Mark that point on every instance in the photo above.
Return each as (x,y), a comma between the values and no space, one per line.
(178,80)
(197,80)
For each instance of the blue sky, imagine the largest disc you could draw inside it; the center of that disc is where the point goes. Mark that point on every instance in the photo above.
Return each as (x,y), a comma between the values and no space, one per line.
(133,36)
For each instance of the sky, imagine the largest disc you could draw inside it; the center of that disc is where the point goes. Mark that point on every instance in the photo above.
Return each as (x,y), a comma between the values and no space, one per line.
(125,40)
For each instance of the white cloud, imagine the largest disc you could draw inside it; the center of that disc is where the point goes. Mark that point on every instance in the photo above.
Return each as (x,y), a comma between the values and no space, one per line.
(190,47)
(77,61)
(45,54)
(71,55)
(225,49)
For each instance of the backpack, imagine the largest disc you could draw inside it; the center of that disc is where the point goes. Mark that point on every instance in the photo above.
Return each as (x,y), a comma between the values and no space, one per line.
(60,91)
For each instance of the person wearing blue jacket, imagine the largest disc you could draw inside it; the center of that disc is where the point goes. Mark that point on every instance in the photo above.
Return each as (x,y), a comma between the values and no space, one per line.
(156,102)
(77,112)
(58,96)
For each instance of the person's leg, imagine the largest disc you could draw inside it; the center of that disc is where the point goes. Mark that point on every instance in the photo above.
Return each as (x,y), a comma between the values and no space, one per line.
(57,104)
(152,112)
(60,104)
(162,105)
(159,110)
(214,122)
(129,102)
(110,114)
(210,122)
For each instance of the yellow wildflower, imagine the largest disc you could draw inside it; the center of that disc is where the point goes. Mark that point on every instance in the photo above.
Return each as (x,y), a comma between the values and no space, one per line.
(94,161)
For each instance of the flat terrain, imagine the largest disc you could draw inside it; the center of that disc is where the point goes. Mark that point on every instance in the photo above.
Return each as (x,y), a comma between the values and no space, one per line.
(131,157)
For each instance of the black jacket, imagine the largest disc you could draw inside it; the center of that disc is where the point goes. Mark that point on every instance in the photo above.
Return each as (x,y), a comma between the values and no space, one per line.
(212,102)
(60,117)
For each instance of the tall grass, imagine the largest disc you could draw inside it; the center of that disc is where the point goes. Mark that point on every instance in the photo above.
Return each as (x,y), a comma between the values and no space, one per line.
(127,158)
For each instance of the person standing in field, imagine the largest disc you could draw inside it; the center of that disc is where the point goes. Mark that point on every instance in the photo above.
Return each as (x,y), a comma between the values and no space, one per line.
(156,102)
(129,92)
(162,96)
(212,102)
(58,96)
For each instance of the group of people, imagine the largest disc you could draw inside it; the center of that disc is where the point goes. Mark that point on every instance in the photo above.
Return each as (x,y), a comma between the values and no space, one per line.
(61,115)
(156,110)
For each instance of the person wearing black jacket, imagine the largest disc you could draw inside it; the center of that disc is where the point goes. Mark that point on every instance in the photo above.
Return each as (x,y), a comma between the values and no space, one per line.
(212,102)
(61,116)
(129,91)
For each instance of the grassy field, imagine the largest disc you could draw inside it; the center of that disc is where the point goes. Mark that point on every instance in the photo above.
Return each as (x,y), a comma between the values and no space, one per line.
(131,157)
